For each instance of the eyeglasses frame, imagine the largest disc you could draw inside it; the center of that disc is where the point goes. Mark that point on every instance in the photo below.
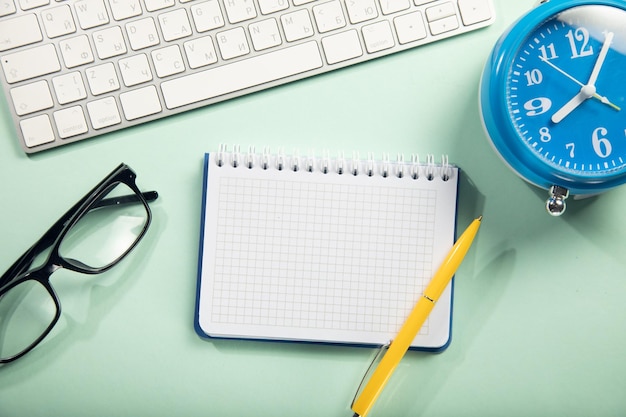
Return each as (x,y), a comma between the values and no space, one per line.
(20,271)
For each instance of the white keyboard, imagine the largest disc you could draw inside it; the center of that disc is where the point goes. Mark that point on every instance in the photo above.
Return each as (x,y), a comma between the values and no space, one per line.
(74,69)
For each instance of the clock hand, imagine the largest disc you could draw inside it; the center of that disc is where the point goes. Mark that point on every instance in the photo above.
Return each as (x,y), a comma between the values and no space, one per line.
(561,71)
(569,107)
(601,57)
(597,96)
(606,101)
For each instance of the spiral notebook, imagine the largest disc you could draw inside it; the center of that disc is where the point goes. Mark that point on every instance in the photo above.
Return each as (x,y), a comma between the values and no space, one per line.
(323,249)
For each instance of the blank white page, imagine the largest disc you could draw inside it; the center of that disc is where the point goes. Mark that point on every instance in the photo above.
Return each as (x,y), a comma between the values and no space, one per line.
(319,256)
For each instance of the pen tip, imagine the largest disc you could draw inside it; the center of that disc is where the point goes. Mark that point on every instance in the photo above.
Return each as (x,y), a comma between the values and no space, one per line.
(480,218)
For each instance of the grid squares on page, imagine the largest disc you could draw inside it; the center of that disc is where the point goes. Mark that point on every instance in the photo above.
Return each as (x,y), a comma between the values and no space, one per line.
(319,255)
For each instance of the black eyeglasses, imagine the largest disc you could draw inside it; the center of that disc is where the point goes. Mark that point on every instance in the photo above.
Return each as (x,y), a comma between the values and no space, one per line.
(92,237)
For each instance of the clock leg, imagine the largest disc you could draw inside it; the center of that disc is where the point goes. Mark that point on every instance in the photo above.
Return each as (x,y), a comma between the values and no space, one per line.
(556,203)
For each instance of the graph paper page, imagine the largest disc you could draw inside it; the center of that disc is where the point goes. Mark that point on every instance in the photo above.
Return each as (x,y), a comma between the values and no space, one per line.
(327,257)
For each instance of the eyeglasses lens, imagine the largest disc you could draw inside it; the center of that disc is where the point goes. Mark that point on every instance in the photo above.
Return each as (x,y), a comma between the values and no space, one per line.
(108,231)
(26,312)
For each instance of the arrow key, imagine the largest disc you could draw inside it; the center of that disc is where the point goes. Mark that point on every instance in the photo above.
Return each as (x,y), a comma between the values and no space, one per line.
(474,11)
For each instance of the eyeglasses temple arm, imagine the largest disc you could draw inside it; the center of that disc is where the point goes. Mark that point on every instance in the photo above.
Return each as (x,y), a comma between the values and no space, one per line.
(149,196)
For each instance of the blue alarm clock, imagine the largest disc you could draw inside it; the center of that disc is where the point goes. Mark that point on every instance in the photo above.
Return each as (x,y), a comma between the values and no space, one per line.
(553,97)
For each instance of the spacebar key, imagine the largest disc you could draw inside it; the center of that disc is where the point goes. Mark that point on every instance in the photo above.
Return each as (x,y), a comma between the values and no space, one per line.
(240,75)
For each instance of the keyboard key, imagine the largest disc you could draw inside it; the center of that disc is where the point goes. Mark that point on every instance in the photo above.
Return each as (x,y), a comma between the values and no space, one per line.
(200,52)
(297,25)
(103,113)
(135,70)
(70,122)
(394,6)
(207,15)
(474,11)
(440,11)
(58,21)
(142,33)
(124,9)
(361,10)
(140,103)
(168,61)
(378,37)
(37,130)
(329,16)
(341,47)
(232,43)
(76,51)
(7,7)
(410,27)
(272,6)
(91,13)
(265,34)
(240,10)
(109,42)
(240,75)
(175,25)
(30,98)
(102,79)
(19,31)
(446,24)
(18,66)
(69,87)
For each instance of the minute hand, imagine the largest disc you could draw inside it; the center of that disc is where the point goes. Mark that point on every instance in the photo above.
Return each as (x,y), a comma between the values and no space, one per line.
(601,57)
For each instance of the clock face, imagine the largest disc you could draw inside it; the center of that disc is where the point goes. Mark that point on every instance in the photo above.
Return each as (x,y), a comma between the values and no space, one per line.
(566,92)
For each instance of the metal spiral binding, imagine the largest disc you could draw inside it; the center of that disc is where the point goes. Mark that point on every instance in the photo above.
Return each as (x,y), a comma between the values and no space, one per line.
(340,163)
(310,162)
(249,160)
(385,166)
(430,167)
(400,172)
(235,156)
(295,162)
(280,159)
(355,166)
(446,169)
(370,164)
(415,160)
(356,162)
(219,157)
(325,162)
(265,158)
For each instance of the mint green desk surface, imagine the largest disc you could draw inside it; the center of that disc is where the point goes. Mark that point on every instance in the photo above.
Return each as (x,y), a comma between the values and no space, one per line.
(539,323)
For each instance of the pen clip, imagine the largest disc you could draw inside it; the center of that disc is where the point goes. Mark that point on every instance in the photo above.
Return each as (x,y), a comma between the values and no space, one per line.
(381,351)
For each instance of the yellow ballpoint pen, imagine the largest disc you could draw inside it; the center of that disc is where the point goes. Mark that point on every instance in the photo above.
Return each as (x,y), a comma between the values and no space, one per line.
(414,322)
